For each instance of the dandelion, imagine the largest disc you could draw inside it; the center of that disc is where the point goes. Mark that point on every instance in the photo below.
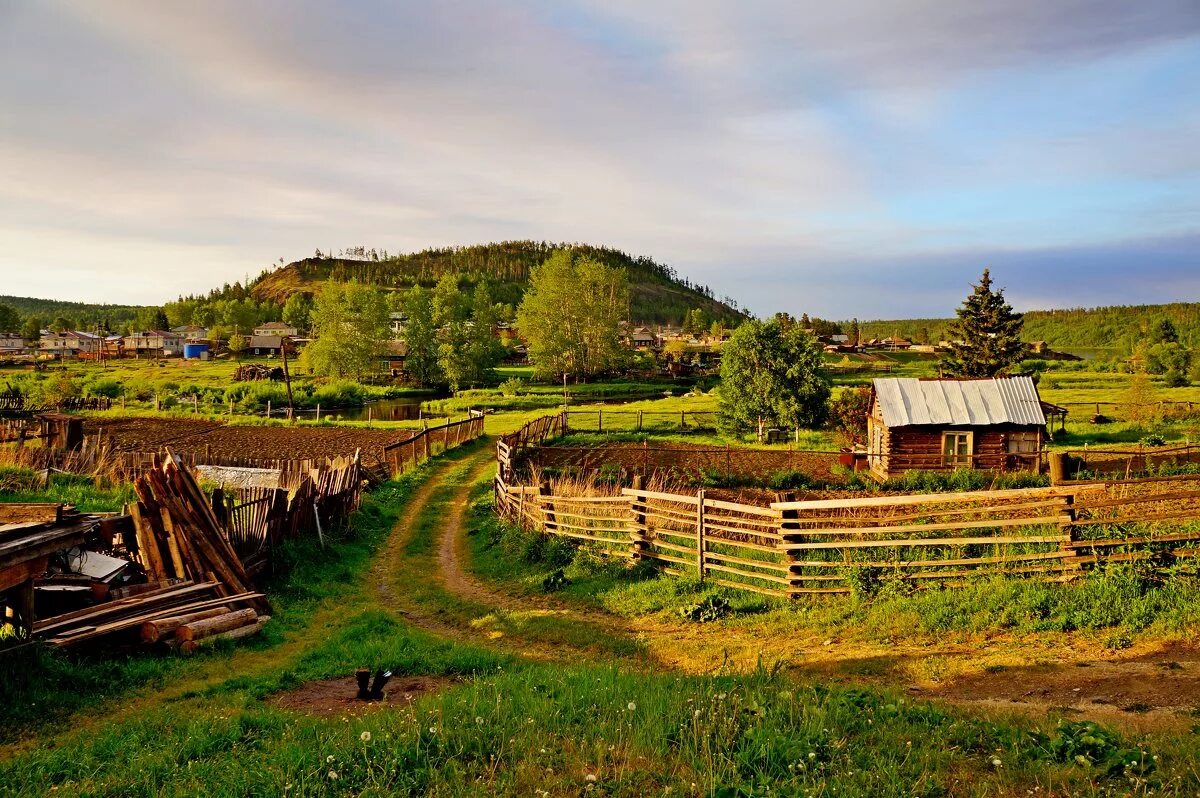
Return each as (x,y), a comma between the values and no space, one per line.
(996,762)
(329,758)
(812,754)
(365,737)
(590,778)
(632,706)
(433,729)
(478,720)
(696,713)
(333,776)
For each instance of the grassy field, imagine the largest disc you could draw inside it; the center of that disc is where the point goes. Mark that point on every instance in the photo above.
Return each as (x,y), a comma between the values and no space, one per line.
(515,702)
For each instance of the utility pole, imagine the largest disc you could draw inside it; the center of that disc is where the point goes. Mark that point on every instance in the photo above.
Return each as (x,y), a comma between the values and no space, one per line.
(287,377)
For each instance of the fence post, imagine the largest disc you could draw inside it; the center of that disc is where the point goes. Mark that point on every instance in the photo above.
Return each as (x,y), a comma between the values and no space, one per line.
(600,420)
(551,522)
(638,536)
(700,533)
(1067,521)
(639,421)
(521,509)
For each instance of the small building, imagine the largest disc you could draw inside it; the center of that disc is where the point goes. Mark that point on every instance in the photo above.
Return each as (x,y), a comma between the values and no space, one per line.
(270,345)
(642,338)
(12,344)
(397,322)
(995,424)
(154,343)
(278,329)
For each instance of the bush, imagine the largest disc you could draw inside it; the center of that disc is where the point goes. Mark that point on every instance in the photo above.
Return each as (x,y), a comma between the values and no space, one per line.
(555,581)
(711,608)
(513,387)
(106,387)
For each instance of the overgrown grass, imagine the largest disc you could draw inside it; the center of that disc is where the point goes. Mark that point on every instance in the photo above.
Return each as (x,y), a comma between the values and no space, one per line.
(1114,600)
(604,731)
(45,686)
(24,485)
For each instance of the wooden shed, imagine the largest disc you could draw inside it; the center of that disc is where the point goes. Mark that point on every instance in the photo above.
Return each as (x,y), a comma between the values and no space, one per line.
(996,424)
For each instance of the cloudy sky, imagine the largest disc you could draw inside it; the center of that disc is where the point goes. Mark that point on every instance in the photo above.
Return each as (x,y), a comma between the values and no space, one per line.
(856,158)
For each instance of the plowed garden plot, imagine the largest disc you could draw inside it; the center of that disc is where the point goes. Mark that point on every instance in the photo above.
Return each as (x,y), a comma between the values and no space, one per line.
(684,460)
(227,442)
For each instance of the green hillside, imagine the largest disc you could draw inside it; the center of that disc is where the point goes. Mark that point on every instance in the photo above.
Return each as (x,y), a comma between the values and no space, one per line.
(659,294)
(1118,327)
(84,315)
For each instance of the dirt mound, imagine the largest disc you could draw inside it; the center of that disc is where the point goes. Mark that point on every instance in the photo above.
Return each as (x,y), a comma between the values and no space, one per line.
(339,696)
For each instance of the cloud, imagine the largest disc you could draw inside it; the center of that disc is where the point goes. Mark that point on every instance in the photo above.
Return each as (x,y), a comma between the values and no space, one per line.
(761,144)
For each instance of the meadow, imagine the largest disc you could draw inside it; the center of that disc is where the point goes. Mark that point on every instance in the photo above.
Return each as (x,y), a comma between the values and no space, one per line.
(516,702)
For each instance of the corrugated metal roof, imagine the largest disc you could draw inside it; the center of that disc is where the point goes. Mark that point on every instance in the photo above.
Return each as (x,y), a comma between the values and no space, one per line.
(1002,400)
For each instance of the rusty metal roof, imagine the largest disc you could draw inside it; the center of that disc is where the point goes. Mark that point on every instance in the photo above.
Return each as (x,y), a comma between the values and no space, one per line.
(1001,400)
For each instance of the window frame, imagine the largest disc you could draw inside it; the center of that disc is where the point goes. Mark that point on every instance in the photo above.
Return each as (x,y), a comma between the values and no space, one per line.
(952,458)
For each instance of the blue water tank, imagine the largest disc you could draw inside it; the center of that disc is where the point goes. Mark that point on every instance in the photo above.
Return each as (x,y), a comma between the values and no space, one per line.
(194,351)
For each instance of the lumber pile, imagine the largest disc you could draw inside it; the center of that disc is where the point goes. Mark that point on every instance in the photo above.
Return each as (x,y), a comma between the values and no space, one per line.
(180,537)
(127,616)
(188,632)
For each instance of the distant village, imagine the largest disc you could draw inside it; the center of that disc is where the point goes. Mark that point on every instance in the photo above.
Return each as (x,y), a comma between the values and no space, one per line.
(674,349)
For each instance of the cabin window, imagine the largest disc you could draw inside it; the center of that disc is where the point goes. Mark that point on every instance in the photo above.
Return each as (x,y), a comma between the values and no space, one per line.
(956,449)
(1024,443)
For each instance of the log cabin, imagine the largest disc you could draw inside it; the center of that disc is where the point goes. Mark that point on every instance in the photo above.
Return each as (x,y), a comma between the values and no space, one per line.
(996,424)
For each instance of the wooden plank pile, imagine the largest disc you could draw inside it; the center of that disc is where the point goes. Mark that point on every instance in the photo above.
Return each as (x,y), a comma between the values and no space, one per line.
(175,603)
(179,535)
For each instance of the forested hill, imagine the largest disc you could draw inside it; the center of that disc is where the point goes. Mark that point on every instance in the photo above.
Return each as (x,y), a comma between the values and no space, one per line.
(84,315)
(1119,327)
(659,294)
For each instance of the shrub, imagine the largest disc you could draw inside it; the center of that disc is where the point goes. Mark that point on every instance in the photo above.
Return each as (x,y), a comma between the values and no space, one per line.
(710,608)
(512,387)
(107,387)
(555,581)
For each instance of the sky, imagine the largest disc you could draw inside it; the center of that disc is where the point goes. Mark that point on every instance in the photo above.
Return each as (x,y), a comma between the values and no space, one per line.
(864,158)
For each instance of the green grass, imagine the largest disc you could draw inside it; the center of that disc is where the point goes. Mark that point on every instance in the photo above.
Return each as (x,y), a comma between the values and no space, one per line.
(515,726)
(23,485)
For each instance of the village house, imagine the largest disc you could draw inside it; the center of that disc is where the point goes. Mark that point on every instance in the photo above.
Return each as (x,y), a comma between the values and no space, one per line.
(269,345)
(278,329)
(995,424)
(154,343)
(69,343)
(396,323)
(191,332)
(642,338)
(12,344)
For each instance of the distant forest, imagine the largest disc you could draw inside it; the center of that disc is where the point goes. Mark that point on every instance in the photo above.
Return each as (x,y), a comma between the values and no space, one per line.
(84,315)
(1118,328)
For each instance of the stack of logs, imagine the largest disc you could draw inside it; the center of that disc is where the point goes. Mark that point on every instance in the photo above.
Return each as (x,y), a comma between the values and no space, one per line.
(189,632)
(166,606)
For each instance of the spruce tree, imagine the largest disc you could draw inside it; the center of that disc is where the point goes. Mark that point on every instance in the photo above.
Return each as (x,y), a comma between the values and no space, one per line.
(986,337)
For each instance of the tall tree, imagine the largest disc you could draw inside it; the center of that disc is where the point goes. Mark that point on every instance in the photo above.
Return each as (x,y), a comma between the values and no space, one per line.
(571,315)
(350,324)
(855,332)
(10,320)
(420,338)
(297,309)
(986,336)
(771,374)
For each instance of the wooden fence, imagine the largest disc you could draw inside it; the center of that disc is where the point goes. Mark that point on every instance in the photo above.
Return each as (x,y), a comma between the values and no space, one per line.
(535,433)
(1127,463)
(411,452)
(601,420)
(795,548)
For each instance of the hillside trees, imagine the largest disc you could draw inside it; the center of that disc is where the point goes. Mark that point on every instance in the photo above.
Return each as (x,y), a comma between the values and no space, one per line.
(10,320)
(297,309)
(771,376)
(350,323)
(571,315)
(986,336)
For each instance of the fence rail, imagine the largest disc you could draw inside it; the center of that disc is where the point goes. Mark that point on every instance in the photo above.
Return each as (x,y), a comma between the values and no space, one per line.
(788,549)
(411,452)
